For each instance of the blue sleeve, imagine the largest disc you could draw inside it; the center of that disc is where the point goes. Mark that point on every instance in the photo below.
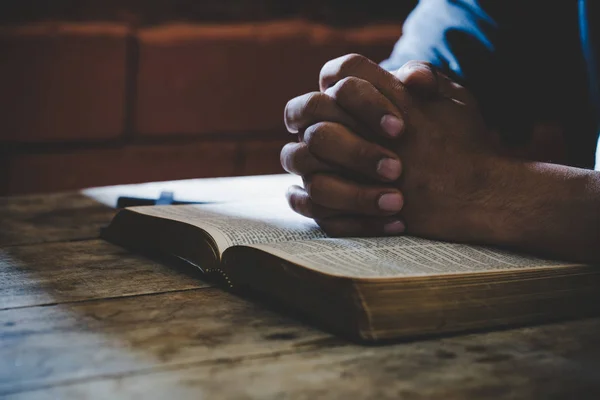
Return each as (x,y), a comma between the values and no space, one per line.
(473,42)
(522,59)
(456,36)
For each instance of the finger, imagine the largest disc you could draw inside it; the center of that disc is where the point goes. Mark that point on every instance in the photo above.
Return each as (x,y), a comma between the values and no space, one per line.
(334,144)
(363,68)
(452,90)
(419,77)
(310,108)
(337,193)
(300,202)
(349,226)
(334,223)
(424,79)
(296,159)
(360,99)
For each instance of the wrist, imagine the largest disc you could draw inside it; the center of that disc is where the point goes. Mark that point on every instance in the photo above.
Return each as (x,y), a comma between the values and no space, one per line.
(513,192)
(543,208)
(492,217)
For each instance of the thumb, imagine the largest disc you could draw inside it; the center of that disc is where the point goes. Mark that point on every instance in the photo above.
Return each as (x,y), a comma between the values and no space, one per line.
(423,79)
(419,77)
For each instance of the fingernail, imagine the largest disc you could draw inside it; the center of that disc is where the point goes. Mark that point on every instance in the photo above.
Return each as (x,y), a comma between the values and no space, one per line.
(394,227)
(389,169)
(392,125)
(390,202)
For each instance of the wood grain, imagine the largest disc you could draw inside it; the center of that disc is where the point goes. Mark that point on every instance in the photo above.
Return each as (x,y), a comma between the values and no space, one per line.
(59,344)
(85,319)
(75,271)
(209,344)
(51,218)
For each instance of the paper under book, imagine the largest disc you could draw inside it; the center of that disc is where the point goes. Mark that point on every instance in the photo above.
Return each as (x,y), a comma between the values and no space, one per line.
(366,288)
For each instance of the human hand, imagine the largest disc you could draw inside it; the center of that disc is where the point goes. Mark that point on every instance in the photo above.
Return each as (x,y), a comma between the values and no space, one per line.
(440,116)
(459,186)
(453,175)
(345,131)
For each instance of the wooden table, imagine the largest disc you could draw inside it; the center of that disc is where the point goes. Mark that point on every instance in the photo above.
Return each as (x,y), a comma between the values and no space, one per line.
(81,318)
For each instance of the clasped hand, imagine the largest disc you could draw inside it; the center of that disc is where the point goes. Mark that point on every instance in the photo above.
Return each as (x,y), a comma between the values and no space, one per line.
(385,153)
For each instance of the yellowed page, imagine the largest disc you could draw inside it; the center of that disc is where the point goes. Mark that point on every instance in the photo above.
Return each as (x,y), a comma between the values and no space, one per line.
(398,257)
(242,223)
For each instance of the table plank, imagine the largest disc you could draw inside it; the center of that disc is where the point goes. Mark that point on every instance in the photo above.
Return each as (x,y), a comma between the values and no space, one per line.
(51,345)
(53,273)
(82,318)
(51,218)
(209,344)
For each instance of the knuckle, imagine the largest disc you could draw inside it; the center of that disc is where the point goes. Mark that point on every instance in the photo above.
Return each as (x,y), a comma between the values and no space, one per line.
(362,200)
(346,87)
(289,115)
(297,160)
(361,153)
(287,155)
(316,188)
(315,136)
(417,64)
(301,161)
(301,109)
(287,119)
(324,74)
(311,104)
(427,64)
(351,62)
(340,67)
(298,201)
(283,154)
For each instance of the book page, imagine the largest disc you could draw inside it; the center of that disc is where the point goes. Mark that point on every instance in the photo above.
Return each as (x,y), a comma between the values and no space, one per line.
(242,223)
(398,257)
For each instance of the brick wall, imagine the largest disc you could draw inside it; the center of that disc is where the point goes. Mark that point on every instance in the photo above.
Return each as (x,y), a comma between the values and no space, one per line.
(86,103)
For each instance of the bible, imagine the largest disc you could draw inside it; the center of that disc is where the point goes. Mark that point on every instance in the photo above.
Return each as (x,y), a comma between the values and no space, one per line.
(370,289)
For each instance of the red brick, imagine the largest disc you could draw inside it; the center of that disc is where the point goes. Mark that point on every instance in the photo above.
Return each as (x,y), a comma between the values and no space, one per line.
(29,173)
(262,156)
(62,81)
(196,79)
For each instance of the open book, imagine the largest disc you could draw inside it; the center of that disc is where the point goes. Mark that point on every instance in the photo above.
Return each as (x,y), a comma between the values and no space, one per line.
(366,288)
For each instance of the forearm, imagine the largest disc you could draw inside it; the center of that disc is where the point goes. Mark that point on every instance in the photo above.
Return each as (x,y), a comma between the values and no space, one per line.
(549,209)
